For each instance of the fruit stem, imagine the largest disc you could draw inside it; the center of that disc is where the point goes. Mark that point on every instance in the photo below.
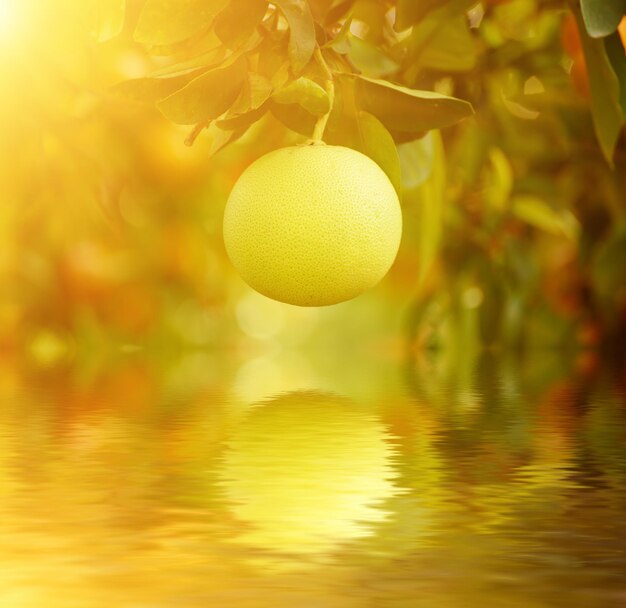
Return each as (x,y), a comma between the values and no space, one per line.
(329,86)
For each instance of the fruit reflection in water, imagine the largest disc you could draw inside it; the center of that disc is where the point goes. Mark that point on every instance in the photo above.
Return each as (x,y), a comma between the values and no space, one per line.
(307,471)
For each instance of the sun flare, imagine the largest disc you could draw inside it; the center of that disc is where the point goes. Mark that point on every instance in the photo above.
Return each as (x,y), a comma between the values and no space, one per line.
(10,20)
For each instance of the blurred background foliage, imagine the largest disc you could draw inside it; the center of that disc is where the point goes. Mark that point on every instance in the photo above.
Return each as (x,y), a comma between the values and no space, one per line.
(515,231)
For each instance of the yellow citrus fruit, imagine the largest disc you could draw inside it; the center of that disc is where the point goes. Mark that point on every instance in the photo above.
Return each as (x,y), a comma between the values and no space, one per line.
(312,225)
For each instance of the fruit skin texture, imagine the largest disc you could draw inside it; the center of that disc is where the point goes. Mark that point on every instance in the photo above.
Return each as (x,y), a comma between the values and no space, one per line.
(312,225)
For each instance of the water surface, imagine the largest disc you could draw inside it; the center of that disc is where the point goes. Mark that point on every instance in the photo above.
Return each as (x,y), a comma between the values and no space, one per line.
(497,483)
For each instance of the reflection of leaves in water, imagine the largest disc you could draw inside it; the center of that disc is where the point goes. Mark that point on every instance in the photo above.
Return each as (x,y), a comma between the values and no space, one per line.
(521,499)
(492,442)
(307,471)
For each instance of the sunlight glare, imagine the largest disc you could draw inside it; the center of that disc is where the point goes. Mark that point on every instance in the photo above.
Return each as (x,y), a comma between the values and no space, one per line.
(10,18)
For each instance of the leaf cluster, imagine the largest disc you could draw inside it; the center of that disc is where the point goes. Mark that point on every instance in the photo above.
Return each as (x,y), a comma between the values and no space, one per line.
(349,63)
(603,48)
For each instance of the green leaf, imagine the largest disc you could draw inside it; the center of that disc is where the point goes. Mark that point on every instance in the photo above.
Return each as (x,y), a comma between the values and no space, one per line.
(369,59)
(320,8)
(605,93)
(243,120)
(221,137)
(348,126)
(615,52)
(431,198)
(409,12)
(164,22)
(340,43)
(207,96)
(305,92)
(601,17)
(499,180)
(149,90)
(294,117)
(338,11)
(366,134)
(371,17)
(408,110)
(238,20)
(251,104)
(301,31)
(416,160)
(272,63)
(376,142)
(203,62)
(607,268)
(258,90)
(429,29)
(108,18)
(538,213)
(403,137)
(452,50)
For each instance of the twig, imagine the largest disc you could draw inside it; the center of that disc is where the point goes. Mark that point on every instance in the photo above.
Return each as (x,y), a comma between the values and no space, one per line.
(329,86)
(193,135)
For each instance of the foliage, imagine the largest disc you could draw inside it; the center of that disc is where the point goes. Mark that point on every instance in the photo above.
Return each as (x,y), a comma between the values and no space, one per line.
(289,59)
(499,122)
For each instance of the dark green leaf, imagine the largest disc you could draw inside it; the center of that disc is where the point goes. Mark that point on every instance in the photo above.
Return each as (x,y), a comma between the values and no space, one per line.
(428,31)
(272,63)
(403,137)
(408,110)
(452,50)
(372,15)
(376,142)
(305,92)
(302,31)
(615,51)
(294,117)
(320,8)
(340,42)
(339,10)
(368,59)
(244,119)
(348,126)
(164,22)
(238,20)
(250,106)
(605,107)
(258,90)
(607,268)
(207,96)
(365,133)
(409,12)
(602,17)
(221,137)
